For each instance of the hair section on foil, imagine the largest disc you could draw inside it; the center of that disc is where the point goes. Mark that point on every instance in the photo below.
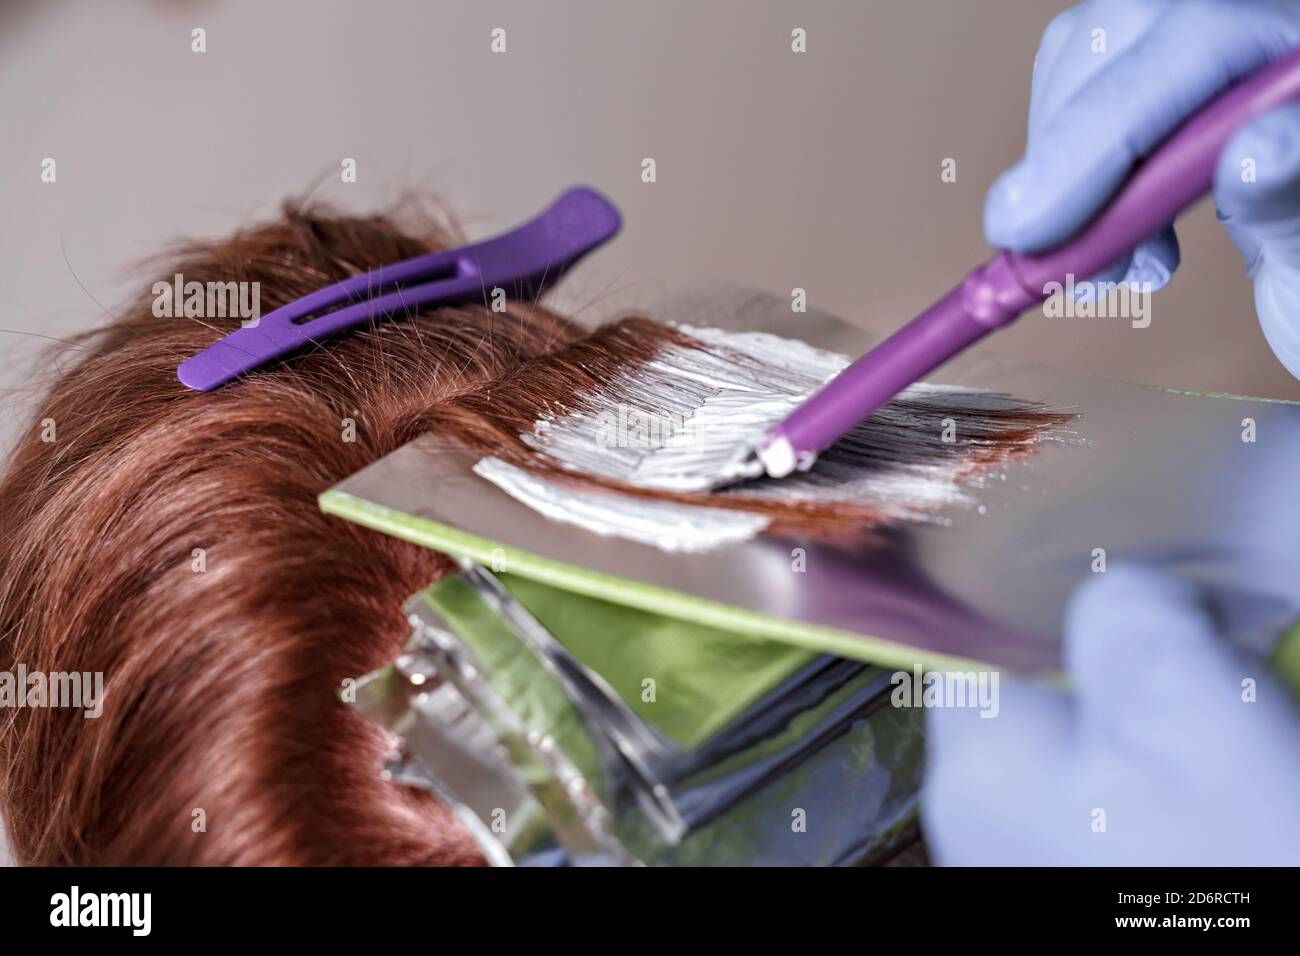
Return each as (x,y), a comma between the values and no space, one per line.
(622,433)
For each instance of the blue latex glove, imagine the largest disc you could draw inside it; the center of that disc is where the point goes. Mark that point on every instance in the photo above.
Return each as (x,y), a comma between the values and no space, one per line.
(1092,114)
(1155,734)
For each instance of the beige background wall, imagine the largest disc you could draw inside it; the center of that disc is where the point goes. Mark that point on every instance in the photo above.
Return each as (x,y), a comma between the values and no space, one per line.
(779,170)
(818,170)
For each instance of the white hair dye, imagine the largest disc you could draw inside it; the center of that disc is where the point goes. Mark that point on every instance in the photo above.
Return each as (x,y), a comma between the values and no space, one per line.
(908,460)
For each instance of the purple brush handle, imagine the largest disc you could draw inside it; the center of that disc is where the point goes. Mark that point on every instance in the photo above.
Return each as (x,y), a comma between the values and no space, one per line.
(521,261)
(1178,173)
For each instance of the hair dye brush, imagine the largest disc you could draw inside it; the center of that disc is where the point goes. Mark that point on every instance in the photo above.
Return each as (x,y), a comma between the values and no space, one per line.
(1177,174)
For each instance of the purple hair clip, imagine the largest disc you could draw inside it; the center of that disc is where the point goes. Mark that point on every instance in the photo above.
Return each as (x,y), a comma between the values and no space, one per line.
(520,261)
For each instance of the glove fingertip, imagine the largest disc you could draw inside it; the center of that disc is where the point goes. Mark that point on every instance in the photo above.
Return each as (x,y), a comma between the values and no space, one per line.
(1154,262)
(1042,201)
(1004,215)
(1023,211)
(1276,302)
(1130,621)
(1258,170)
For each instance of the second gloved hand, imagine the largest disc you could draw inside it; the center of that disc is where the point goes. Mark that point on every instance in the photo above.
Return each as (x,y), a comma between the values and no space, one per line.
(1173,748)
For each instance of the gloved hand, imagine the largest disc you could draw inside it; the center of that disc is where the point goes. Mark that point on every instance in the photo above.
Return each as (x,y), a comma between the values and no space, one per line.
(1153,757)
(1092,114)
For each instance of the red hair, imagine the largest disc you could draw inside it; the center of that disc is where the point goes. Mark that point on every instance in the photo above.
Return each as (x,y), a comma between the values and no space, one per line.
(171,540)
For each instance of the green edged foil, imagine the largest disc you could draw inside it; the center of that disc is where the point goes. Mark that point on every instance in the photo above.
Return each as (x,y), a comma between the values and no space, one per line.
(502,557)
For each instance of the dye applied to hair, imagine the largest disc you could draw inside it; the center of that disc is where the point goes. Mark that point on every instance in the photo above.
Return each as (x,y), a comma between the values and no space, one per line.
(666,425)
(665,524)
